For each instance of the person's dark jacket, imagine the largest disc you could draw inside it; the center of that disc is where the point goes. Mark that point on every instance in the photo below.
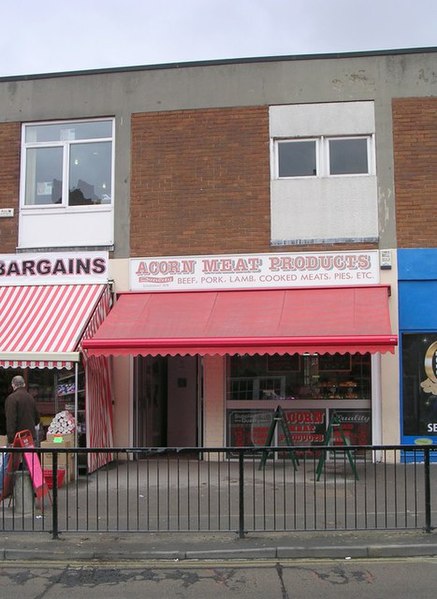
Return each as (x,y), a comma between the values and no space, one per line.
(21,413)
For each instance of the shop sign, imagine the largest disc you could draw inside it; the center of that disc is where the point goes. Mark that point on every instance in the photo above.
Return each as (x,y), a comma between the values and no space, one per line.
(355,424)
(248,271)
(53,268)
(248,428)
(305,427)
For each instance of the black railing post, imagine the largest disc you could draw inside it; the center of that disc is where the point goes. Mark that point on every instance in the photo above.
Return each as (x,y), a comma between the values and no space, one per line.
(55,532)
(241,531)
(427,476)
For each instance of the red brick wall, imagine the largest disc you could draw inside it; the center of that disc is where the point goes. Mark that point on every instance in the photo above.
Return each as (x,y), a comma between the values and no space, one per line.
(9,184)
(415,160)
(200,182)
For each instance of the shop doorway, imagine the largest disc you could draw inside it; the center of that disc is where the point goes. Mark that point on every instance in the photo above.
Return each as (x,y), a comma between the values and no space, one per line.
(166,401)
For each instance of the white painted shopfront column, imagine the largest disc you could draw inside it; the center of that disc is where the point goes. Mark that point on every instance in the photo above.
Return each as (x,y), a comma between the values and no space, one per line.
(214,400)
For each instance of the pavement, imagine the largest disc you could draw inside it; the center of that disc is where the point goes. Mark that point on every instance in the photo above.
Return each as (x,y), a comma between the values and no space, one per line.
(22,538)
(175,547)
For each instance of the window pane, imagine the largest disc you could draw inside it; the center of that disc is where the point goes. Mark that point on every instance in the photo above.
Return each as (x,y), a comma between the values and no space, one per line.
(90,174)
(297,159)
(419,365)
(348,156)
(68,131)
(43,176)
(332,376)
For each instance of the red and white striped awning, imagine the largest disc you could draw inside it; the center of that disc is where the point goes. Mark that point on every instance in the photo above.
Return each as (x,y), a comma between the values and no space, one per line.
(41,326)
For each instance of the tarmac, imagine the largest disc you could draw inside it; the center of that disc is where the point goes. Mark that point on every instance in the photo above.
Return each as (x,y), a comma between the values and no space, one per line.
(213,547)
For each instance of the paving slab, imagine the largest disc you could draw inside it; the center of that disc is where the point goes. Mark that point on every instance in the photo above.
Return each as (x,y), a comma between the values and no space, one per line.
(175,547)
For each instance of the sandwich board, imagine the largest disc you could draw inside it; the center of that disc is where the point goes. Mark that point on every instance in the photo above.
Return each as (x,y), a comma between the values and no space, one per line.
(24,439)
(279,419)
(335,425)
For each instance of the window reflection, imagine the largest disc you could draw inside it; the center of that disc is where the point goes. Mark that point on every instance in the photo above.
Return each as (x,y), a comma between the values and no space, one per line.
(90,174)
(297,158)
(348,156)
(43,176)
(54,152)
(288,377)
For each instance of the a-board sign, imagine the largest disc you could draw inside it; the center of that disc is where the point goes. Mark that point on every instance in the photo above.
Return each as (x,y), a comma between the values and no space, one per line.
(24,439)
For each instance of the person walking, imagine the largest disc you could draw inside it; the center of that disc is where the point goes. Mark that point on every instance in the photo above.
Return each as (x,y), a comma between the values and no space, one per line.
(20,410)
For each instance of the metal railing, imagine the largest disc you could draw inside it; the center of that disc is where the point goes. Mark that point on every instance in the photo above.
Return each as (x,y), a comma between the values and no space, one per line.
(243,490)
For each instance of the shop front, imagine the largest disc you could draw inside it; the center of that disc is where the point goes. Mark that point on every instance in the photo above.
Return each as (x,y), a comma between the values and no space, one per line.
(49,303)
(310,389)
(418,345)
(242,335)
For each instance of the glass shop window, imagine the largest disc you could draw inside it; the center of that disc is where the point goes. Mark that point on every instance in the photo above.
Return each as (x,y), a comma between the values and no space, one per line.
(288,377)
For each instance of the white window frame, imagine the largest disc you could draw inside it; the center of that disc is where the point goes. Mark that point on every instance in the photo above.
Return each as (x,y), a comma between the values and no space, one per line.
(322,156)
(65,144)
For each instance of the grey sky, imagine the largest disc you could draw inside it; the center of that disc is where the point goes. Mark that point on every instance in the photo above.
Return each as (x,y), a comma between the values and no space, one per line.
(51,35)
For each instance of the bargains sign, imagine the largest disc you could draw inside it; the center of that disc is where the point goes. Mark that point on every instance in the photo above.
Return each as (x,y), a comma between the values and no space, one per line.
(53,268)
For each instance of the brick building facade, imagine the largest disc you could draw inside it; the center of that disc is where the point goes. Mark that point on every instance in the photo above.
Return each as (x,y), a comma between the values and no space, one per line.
(10,186)
(415,164)
(228,192)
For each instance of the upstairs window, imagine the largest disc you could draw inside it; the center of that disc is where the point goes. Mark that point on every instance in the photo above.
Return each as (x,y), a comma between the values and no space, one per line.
(67,164)
(348,156)
(297,158)
(323,157)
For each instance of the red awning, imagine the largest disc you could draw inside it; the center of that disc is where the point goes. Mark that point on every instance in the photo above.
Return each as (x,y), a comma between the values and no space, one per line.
(42,325)
(328,320)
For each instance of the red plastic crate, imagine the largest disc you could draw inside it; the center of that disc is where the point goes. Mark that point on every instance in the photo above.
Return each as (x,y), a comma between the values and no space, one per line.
(48,476)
